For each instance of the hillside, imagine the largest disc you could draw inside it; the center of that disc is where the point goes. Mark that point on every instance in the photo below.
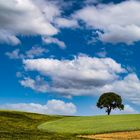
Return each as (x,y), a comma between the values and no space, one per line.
(30,126)
(23,126)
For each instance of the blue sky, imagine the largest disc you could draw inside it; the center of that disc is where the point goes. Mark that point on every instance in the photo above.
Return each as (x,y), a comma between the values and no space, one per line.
(58,57)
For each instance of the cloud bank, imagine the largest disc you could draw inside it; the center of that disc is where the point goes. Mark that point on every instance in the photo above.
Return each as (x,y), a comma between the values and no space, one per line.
(52,107)
(86,75)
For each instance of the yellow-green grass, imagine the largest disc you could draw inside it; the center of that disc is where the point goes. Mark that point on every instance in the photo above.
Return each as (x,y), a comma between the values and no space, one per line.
(23,126)
(30,126)
(93,125)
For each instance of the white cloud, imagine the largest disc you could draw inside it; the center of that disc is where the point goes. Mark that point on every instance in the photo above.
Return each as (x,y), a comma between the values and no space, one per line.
(52,107)
(6,37)
(66,23)
(60,107)
(26,17)
(77,76)
(14,54)
(38,84)
(19,13)
(128,88)
(80,68)
(87,76)
(128,34)
(102,54)
(52,40)
(32,53)
(35,52)
(50,9)
(114,21)
(127,110)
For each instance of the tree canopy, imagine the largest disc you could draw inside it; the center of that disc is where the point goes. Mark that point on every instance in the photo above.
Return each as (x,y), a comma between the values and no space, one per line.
(109,101)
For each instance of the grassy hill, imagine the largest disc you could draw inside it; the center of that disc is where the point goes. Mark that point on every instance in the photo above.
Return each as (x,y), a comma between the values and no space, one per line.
(94,124)
(23,126)
(30,126)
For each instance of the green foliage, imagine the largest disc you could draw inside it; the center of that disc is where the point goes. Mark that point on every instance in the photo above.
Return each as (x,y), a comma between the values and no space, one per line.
(110,101)
(23,126)
(93,124)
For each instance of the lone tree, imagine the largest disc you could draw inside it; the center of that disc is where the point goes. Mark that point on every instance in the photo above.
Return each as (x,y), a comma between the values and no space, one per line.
(110,101)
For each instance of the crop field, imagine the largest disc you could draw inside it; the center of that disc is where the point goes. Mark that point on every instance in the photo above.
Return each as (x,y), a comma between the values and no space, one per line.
(30,126)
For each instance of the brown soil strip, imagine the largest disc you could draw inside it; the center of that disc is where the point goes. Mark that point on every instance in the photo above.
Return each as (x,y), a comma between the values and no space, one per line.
(133,135)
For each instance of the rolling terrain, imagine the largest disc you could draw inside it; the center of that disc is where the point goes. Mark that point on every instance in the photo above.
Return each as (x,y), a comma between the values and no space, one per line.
(16,125)
(93,124)
(30,126)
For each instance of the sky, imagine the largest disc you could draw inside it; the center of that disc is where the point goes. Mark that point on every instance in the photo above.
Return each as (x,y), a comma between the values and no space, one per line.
(59,56)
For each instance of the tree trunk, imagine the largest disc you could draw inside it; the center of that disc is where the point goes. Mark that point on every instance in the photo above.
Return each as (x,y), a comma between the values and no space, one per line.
(109,111)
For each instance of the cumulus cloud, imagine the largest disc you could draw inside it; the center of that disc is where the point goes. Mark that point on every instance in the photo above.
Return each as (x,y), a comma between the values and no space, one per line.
(26,17)
(14,12)
(128,88)
(53,40)
(35,52)
(127,110)
(76,76)
(86,75)
(80,68)
(38,84)
(51,107)
(32,53)
(66,23)
(9,38)
(113,21)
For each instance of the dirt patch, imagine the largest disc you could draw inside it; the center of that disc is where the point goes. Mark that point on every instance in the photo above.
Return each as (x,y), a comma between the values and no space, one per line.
(133,135)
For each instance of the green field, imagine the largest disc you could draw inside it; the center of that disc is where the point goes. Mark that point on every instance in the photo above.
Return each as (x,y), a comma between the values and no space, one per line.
(30,126)
(23,126)
(93,125)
